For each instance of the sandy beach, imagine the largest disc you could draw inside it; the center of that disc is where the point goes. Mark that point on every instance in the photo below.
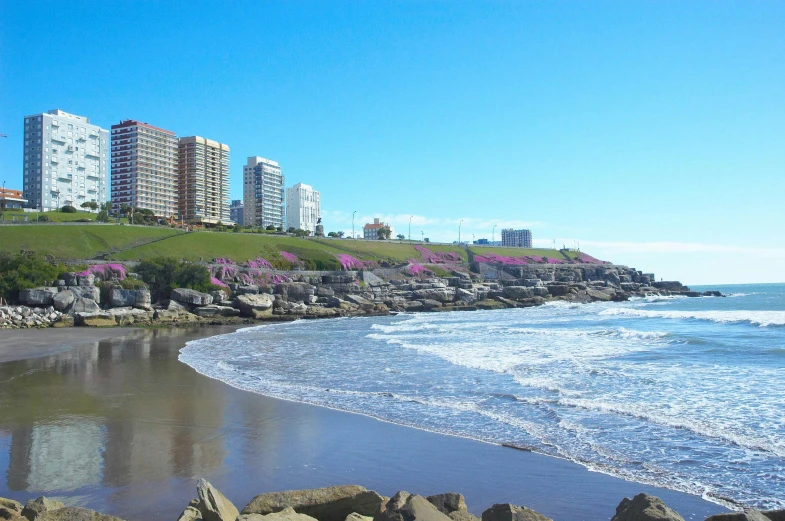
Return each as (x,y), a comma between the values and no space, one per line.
(111,420)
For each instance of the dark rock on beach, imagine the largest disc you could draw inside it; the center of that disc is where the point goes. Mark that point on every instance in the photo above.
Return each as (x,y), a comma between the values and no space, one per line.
(644,507)
(508,512)
(325,504)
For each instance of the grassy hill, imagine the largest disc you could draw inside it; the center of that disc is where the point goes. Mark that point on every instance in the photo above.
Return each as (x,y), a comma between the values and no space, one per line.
(127,243)
(53,217)
(72,242)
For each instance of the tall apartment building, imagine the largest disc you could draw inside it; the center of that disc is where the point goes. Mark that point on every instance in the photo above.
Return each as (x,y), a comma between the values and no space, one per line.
(303,207)
(203,181)
(144,168)
(263,193)
(236,212)
(516,238)
(64,161)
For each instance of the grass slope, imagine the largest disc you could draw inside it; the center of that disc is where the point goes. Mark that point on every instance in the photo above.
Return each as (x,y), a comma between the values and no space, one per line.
(520,252)
(71,242)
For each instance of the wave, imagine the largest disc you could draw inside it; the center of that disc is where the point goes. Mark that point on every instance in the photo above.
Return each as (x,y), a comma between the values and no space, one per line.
(759,318)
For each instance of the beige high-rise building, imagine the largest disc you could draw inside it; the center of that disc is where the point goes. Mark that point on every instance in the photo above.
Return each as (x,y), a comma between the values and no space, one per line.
(204,181)
(144,168)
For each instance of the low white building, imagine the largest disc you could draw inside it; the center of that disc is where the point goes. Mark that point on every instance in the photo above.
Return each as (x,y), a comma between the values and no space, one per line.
(303,208)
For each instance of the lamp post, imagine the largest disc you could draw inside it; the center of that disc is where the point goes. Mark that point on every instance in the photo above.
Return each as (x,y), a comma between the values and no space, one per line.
(459,230)
(493,235)
(410,228)
(353,223)
(423,236)
(4,203)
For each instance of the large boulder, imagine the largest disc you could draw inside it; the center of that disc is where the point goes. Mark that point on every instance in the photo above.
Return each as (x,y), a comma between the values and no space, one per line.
(644,507)
(91,292)
(558,290)
(508,512)
(255,305)
(84,305)
(190,513)
(214,505)
(95,319)
(440,294)
(62,300)
(75,514)
(214,310)
(462,515)
(38,296)
(415,508)
(36,507)
(518,292)
(129,316)
(748,515)
(295,291)
(135,298)
(775,515)
(325,504)
(465,296)
(191,297)
(447,503)
(287,514)
(600,295)
(10,504)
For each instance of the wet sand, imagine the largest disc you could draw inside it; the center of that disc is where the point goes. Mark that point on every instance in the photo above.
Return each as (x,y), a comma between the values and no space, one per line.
(119,425)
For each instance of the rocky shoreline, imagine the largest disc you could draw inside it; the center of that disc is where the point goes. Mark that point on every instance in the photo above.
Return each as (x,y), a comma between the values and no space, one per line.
(355,503)
(77,300)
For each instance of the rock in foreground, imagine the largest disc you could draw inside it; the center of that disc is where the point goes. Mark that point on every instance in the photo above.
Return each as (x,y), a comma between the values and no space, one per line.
(325,504)
(644,507)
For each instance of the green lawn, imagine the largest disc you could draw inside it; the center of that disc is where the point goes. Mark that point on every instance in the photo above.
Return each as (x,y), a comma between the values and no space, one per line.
(69,242)
(521,252)
(55,217)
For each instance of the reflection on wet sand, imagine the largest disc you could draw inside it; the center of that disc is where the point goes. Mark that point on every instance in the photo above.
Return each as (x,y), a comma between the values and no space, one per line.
(80,418)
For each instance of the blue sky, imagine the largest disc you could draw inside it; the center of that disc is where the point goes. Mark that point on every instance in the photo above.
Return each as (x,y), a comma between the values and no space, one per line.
(651,132)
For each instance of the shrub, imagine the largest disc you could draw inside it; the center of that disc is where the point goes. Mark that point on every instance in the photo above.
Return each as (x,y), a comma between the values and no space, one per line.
(163,274)
(18,272)
(68,209)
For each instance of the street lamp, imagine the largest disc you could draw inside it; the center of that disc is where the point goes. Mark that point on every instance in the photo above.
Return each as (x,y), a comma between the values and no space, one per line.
(459,230)
(410,228)
(353,223)
(423,236)
(493,235)
(4,203)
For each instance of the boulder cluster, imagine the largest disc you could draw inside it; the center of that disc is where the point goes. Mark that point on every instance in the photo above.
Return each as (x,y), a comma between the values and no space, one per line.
(355,503)
(75,300)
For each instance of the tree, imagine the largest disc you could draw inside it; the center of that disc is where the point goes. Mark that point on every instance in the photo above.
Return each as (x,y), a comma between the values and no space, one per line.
(163,274)
(400,236)
(68,209)
(332,234)
(291,229)
(301,233)
(270,228)
(90,205)
(384,233)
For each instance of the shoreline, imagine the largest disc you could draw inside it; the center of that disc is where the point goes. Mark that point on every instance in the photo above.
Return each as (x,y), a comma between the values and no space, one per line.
(512,466)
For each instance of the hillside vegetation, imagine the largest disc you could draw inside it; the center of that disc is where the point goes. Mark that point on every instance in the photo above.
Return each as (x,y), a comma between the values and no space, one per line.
(130,243)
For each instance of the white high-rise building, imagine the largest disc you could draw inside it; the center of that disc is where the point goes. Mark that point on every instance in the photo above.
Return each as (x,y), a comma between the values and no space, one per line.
(263,193)
(303,209)
(65,161)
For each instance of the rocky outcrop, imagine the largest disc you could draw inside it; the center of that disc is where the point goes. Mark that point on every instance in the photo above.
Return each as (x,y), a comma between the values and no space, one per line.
(508,512)
(748,515)
(255,305)
(191,297)
(37,296)
(135,298)
(325,504)
(518,292)
(287,514)
(448,503)
(213,504)
(413,508)
(214,310)
(36,507)
(295,291)
(63,300)
(644,507)
(23,317)
(75,514)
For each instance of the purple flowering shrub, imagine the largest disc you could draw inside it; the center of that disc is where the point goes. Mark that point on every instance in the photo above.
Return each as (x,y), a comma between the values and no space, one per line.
(218,282)
(437,257)
(418,270)
(349,263)
(223,260)
(258,263)
(105,271)
(583,257)
(291,257)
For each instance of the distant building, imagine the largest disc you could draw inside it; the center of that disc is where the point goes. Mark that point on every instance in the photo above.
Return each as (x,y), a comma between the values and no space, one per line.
(516,238)
(371,230)
(236,212)
(65,161)
(203,194)
(11,199)
(482,241)
(145,168)
(303,208)
(263,193)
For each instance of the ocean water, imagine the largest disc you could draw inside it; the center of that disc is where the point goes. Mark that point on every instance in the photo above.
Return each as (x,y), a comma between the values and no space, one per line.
(685,393)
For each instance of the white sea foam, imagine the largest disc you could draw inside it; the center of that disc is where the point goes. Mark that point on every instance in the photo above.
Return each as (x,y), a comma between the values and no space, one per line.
(755,317)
